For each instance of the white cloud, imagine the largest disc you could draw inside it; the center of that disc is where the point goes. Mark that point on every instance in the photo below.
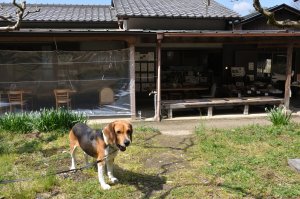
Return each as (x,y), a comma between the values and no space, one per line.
(242,7)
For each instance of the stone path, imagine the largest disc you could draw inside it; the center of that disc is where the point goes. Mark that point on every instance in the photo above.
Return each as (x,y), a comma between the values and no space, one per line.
(186,125)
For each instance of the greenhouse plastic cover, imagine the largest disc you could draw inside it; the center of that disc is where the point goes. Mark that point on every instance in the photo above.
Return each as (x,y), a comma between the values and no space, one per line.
(84,73)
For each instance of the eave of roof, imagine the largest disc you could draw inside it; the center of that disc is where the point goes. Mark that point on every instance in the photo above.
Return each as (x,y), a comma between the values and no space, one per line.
(261,33)
(168,33)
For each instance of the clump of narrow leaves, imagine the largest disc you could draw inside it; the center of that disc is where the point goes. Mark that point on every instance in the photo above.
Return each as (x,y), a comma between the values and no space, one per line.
(45,120)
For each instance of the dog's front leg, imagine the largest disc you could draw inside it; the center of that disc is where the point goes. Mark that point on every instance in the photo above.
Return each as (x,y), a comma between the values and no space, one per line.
(110,167)
(100,166)
(73,157)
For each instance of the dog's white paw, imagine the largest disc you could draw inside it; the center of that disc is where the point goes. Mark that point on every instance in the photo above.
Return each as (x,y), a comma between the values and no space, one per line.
(105,186)
(114,180)
(72,168)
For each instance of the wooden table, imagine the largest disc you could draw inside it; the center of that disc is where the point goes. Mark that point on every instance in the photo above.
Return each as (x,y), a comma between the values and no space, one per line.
(186,89)
(181,92)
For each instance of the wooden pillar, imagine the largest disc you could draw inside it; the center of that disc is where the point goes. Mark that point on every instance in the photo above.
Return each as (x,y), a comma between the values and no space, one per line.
(132,80)
(158,84)
(287,91)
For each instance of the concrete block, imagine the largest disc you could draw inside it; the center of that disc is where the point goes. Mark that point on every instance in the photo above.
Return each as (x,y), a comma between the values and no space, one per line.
(295,164)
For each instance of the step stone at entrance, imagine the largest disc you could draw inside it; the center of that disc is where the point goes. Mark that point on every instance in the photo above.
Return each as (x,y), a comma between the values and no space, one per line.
(295,164)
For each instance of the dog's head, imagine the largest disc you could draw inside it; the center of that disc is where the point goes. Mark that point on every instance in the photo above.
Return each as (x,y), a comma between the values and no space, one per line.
(118,133)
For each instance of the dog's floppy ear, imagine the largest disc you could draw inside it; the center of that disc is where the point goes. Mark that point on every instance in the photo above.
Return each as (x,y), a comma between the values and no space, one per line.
(109,132)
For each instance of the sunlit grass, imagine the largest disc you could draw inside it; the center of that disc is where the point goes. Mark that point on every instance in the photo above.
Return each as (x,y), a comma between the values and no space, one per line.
(246,162)
(253,160)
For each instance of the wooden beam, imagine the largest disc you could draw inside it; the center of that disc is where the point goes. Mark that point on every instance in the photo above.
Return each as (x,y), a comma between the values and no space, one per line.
(233,34)
(132,81)
(287,91)
(158,85)
(277,45)
(68,38)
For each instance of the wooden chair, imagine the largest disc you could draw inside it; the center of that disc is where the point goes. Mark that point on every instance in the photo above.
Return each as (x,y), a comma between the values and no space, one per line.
(106,96)
(15,98)
(3,101)
(62,98)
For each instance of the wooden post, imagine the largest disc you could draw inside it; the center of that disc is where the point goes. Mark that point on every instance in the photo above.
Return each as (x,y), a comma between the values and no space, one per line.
(132,80)
(158,84)
(287,91)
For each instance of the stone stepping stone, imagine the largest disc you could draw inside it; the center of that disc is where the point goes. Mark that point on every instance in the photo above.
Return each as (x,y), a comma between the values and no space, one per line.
(295,164)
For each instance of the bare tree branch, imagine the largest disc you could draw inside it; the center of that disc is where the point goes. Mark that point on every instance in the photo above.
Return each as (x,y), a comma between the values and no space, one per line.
(271,17)
(20,15)
(6,18)
(30,12)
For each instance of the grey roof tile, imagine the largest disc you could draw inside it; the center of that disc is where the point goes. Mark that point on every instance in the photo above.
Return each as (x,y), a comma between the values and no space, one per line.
(67,13)
(171,8)
(272,9)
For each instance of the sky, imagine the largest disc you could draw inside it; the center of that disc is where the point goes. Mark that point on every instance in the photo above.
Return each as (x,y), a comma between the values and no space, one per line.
(242,7)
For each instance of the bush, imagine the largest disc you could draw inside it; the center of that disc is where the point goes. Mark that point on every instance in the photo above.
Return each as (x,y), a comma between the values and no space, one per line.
(279,115)
(61,119)
(45,120)
(21,123)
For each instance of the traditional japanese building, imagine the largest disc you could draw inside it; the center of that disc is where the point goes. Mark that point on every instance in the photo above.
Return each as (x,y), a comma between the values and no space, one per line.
(108,58)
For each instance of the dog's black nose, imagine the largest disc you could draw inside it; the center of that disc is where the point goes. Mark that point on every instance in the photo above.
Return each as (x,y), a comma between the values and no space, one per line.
(127,142)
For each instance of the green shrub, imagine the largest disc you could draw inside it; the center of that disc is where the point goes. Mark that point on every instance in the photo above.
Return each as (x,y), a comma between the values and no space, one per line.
(61,119)
(279,116)
(21,123)
(45,120)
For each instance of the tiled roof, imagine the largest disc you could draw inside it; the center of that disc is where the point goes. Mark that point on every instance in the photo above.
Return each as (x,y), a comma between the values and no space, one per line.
(172,8)
(272,9)
(67,13)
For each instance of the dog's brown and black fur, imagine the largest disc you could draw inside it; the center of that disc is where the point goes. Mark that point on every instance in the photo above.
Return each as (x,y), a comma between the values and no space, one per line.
(101,145)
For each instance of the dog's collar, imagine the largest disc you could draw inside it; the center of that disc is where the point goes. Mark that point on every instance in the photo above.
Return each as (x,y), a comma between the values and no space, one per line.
(112,147)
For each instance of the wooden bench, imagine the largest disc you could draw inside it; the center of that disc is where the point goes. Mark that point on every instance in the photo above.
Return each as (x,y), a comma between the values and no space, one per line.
(171,105)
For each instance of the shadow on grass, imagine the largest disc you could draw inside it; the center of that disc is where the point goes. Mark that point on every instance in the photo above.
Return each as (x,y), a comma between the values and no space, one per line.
(182,145)
(168,192)
(145,183)
(29,147)
(242,191)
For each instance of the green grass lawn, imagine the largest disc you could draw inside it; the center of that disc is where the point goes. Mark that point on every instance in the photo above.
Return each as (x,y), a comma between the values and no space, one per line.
(248,162)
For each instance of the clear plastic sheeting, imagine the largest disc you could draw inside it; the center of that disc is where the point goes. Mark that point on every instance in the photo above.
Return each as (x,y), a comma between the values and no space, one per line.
(97,83)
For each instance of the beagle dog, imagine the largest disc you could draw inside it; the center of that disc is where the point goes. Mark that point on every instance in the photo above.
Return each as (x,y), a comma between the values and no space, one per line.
(102,145)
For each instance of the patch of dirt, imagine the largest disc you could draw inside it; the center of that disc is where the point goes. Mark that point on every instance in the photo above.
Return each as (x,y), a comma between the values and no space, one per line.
(77,176)
(167,162)
(52,151)
(33,135)
(55,193)
(177,143)
(173,158)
